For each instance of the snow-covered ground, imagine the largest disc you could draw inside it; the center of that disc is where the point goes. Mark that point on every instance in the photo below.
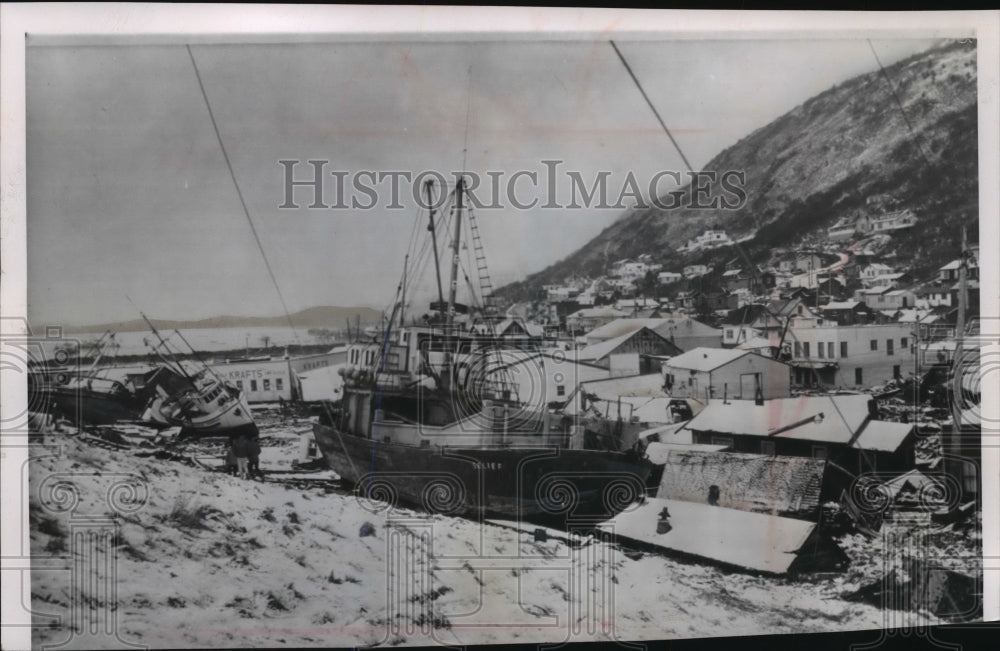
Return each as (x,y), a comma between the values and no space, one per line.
(211,560)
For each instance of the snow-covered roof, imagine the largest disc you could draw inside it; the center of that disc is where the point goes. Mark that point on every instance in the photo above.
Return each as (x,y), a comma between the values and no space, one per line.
(706,359)
(844,420)
(840,305)
(883,435)
(592,312)
(754,541)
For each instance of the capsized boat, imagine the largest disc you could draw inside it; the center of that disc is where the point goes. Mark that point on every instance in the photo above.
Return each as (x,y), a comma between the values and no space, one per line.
(430,416)
(202,404)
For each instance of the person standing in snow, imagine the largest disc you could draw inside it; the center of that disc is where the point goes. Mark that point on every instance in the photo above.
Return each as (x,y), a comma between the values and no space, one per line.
(254,454)
(241,448)
(230,464)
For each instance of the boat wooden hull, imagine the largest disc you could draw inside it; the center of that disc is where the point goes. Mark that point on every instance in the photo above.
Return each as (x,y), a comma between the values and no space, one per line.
(545,484)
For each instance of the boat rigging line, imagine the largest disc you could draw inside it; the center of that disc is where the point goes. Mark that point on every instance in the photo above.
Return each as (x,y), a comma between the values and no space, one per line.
(663,124)
(239,193)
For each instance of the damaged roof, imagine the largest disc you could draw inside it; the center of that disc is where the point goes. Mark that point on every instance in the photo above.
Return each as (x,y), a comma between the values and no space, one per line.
(754,541)
(748,482)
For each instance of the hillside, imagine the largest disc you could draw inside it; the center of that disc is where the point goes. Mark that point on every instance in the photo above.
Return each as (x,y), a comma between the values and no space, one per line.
(313,317)
(820,162)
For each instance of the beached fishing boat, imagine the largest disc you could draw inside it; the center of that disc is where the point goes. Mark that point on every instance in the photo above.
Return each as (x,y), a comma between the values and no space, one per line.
(430,417)
(85,396)
(200,402)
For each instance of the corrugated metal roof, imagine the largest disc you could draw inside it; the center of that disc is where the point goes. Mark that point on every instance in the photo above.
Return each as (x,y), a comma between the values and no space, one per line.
(748,482)
(706,359)
(754,541)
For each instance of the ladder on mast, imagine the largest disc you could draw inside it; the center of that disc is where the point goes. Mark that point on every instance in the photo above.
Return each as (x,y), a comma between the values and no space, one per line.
(485,283)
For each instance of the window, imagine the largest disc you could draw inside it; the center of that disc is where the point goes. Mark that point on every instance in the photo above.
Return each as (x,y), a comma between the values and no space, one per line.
(798,349)
(767,447)
(819,452)
(888,346)
(805,349)
(896,374)
(843,349)
(253,385)
(819,349)
(722,440)
(874,344)
(560,390)
(858,376)
(267,385)
(829,349)
(239,384)
(279,384)
(903,343)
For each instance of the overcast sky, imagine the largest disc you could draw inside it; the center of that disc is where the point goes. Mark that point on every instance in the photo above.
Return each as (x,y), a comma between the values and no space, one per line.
(129,193)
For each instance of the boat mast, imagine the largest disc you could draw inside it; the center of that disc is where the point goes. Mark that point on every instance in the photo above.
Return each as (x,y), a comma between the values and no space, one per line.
(176,363)
(453,287)
(434,246)
(402,296)
(449,366)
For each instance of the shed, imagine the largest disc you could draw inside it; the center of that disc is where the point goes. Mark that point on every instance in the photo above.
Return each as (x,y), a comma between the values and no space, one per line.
(726,373)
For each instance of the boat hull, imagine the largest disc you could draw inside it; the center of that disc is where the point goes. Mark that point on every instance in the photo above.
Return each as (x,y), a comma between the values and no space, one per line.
(92,407)
(544,484)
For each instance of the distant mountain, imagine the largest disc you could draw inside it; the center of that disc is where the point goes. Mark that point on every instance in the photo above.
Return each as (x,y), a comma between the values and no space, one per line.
(909,132)
(313,317)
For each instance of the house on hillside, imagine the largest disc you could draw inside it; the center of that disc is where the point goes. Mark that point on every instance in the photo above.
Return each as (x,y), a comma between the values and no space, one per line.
(695,270)
(716,373)
(846,312)
(801,262)
(891,280)
(886,298)
(886,222)
(842,429)
(869,272)
(842,231)
(949,272)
